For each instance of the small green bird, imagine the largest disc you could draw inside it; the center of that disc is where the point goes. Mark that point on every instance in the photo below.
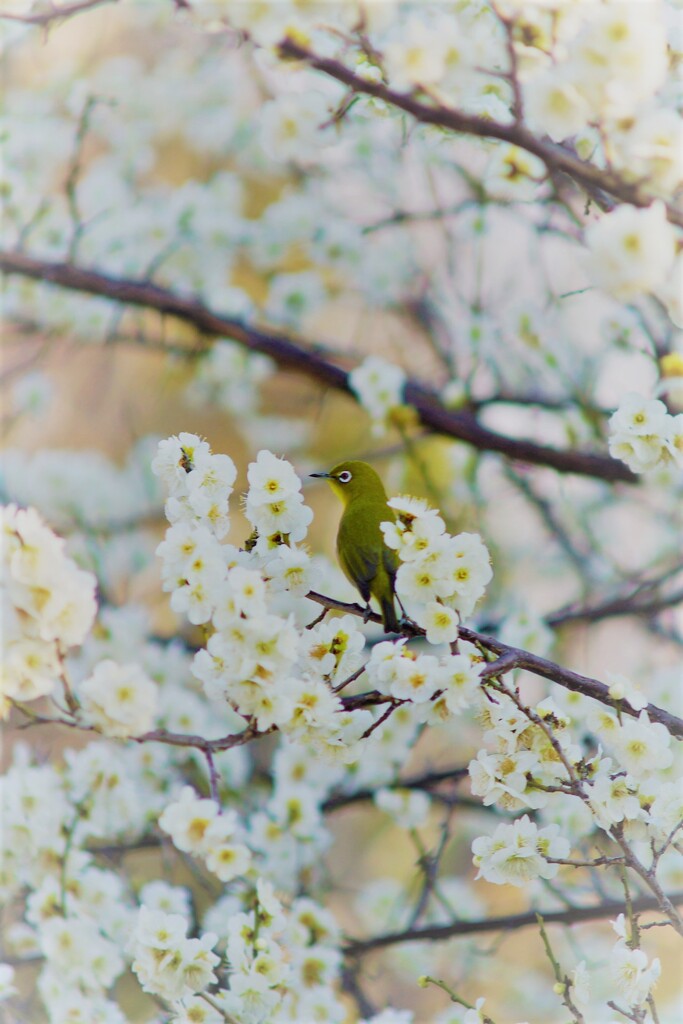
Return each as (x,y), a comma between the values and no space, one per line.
(366,560)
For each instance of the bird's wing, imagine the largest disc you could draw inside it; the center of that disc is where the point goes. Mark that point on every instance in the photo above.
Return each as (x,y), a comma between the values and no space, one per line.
(358,557)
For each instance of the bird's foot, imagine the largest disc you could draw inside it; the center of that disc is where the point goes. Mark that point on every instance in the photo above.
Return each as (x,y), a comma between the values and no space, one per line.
(367,613)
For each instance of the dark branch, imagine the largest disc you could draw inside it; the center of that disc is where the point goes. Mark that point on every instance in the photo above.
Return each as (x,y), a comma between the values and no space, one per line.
(510,922)
(618,606)
(556,158)
(426,781)
(512,657)
(312,360)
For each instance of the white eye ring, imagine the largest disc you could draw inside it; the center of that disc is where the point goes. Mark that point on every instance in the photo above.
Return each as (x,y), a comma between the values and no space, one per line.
(344,477)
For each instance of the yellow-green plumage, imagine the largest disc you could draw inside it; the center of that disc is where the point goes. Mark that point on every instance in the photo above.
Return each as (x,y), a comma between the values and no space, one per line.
(364,557)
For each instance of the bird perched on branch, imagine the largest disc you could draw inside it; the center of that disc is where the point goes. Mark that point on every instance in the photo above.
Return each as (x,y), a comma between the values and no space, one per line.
(364,557)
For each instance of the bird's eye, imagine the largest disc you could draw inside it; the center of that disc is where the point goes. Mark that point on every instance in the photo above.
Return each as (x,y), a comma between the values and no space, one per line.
(344,477)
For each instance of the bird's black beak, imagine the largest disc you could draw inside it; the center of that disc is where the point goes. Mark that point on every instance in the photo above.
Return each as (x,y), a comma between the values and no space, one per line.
(324,476)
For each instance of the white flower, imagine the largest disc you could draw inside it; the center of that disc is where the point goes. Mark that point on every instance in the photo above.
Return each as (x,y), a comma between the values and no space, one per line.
(281,521)
(271,479)
(643,746)
(439,622)
(81,954)
(639,416)
(248,591)
(332,649)
(422,581)
(291,570)
(651,149)
(517,853)
(119,700)
(621,688)
(175,458)
(378,385)
(502,778)
(416,679)
(417,57)
(227,860)
(30,669)
(614,799)
(290,126)
(554,103)
(631,250)
(632,975)
(312,705)
(514,174)
(166,962)
(666,810)
(459,679)
(620,57)
(187,821)
(169,899)
(640,454)
(408,807)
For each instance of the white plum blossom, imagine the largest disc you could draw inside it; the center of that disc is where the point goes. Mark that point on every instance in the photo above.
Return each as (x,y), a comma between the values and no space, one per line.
(291,127)
(439,622)
(229,376)
(460,681)
(621,688)
(633,974)
(642,746)
(379,387)
(517,853)
(188,819)
(119,700)
(166,962)
(554,103)
(631,250)
(643,434)
(48,605)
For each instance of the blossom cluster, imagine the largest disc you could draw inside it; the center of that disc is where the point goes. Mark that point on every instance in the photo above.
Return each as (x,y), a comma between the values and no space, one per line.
(251,658)
(198,827)
(645,435)
(48,603)
(632,251)
(167,963)
(379,387)
(521,758)
(517,853)
(440,577)
(441,687)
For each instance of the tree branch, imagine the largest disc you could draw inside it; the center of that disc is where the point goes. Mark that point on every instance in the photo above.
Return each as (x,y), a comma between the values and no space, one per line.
(311,359)
(556,157)
(509,922)
(55,13)
(512,657)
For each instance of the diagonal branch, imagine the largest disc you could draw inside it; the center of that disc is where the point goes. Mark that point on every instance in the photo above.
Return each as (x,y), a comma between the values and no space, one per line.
(55,13)
(509,922)
(311,359)
(556,157)
(509,658)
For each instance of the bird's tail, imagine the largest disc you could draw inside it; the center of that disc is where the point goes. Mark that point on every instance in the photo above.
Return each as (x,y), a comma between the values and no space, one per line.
(389,619)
